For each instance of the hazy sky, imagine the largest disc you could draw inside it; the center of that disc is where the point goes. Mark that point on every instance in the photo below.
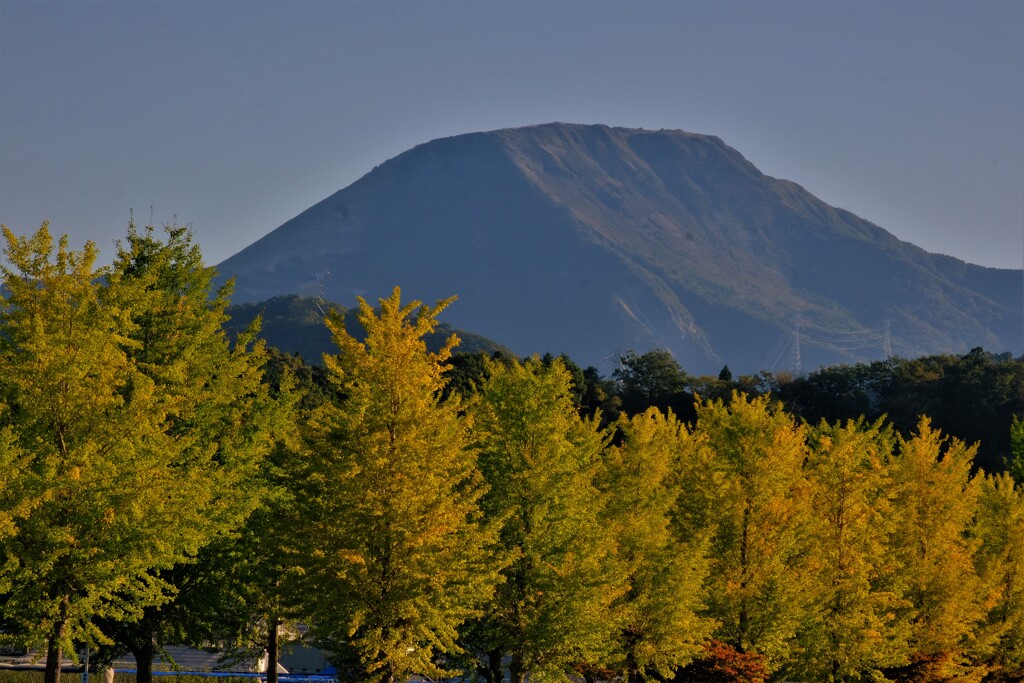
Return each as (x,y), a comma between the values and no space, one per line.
(236,116)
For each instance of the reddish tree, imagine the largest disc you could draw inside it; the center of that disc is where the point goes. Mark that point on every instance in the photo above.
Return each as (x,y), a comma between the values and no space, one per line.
(722,663)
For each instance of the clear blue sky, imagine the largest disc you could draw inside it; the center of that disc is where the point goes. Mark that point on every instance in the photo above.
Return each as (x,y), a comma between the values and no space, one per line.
(236,116)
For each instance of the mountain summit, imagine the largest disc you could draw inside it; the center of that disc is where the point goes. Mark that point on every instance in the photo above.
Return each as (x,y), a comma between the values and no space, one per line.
(592,240)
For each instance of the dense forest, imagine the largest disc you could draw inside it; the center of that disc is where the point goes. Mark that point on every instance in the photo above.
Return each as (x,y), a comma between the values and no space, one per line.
(424,512)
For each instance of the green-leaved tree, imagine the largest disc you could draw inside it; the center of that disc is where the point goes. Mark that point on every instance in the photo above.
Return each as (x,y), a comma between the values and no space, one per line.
(113,506)
(221,416)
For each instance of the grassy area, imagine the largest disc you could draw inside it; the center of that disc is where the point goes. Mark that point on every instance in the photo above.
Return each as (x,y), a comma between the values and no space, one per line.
(9,676)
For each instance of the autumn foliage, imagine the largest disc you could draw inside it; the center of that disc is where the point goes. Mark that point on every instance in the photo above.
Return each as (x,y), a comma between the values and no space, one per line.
(722,663)
(504,527)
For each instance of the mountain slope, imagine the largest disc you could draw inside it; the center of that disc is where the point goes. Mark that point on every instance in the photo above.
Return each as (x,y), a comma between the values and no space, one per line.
(592,240)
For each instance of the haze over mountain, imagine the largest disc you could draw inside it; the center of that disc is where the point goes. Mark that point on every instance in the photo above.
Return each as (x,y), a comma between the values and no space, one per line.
(592,240)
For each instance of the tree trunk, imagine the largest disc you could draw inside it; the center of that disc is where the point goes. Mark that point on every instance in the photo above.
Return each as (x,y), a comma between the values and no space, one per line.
(632,670)
(516,670)
(272,649)
(144,653)
(497,675)
(631,640)
(837,676)
(52,674)
(744,617)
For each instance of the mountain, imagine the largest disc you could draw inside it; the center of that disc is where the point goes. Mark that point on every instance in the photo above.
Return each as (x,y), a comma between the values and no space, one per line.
(592,240)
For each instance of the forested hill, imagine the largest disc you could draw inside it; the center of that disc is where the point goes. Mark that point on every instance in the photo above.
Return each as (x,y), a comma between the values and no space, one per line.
(295,324)
(592,240)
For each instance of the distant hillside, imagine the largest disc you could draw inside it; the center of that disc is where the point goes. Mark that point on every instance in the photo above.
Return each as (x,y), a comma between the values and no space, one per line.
(295,324)
(592,240)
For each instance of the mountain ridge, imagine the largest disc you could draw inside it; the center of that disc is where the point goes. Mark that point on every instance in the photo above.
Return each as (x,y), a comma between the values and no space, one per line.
(590,240)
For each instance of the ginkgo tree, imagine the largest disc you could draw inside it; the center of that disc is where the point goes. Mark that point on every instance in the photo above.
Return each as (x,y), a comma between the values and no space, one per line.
(555,610)
(752,495)
(661,626)
(393,551)
(217,409)
(15,499)
(934,547)
(1000,560)
(854,630)
(127,480)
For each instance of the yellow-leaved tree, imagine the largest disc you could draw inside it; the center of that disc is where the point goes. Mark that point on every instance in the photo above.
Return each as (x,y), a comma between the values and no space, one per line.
(1000,562)
(555,612)
(934,547)
(661,625)
(756,514)
(393,550)
(854,630)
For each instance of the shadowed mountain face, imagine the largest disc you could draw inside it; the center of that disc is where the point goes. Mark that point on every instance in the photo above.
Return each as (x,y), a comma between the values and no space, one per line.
(591,240)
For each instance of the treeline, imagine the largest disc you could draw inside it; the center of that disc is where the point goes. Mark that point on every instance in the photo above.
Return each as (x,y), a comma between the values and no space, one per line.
(974,396)
(424,514)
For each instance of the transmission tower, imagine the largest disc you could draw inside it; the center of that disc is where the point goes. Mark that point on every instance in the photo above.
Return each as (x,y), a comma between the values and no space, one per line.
(321,301)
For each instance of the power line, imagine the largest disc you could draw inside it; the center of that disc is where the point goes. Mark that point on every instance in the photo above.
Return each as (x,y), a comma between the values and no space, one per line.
(321,301)
(797,361)
(838,341)
(779,354)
